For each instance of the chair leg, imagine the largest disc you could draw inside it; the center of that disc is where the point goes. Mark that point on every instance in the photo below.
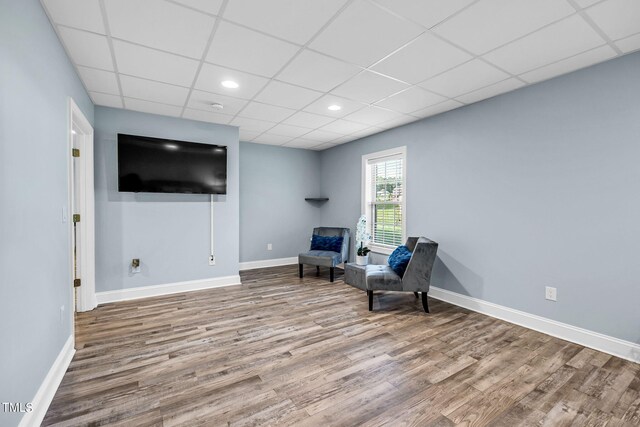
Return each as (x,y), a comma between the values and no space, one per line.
(416,294)
(425,303)
(317,270)
(370,295)
(300,269)
(331,273)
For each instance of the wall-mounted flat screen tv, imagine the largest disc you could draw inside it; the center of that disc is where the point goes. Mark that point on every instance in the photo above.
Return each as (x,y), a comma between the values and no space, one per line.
(155,165)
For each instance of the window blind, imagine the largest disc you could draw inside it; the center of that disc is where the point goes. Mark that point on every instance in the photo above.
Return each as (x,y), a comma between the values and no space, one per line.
(386,194)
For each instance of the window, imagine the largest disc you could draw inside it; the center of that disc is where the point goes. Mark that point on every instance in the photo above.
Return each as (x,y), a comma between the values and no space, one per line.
(383,198)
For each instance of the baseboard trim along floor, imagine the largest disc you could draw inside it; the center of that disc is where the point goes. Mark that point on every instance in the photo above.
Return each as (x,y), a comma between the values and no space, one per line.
(277,262)
(166,289)
(597,341)
(46,392)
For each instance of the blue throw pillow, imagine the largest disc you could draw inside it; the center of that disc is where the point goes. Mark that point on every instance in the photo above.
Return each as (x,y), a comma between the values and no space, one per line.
(326,243)
(399,259)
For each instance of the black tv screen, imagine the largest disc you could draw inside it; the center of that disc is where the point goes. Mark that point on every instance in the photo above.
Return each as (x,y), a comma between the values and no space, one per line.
(154,165)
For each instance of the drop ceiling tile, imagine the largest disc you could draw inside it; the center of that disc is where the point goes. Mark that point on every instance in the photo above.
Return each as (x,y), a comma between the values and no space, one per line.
(582,60)
(212,75)
(165,25)
(321,106)
(316,71)
(489,24)
(87,49)
(490,91)
(322,136)
(288,130)
(366,132)
(200,100)
(553,43)
(465,78)
(425,12)
(438,108)
(259,111)
(410,100)
(152,107)
(302,143)
(308,120)
(398,121)
(207,6)
(369,87)
(154,65)
(295,20)
(617,18)
(324,146)
(134,87)
(106,100)
(252,125)
(421,59)
(206,116)
(85,14)
(364,33)
(247,135)
(344,127)
(286,95)
(586,3)
(629,44)
(341,140)
(373,116)
(270,139)
(99,80)
(243,49)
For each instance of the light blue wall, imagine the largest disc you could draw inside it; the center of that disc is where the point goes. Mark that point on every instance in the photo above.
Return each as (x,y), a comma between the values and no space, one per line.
(169,233)
(36,79)
(274,182)
(538,187)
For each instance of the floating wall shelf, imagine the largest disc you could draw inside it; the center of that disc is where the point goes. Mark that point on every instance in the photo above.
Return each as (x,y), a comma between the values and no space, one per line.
(316,199)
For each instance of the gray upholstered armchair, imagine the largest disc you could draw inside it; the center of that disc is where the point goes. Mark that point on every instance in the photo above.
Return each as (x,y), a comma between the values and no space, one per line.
(416,278)
(326,258)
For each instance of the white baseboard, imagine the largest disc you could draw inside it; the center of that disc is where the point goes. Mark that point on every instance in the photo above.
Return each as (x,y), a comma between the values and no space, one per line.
(49,386)
(597,341)
(166,289)
(251,265)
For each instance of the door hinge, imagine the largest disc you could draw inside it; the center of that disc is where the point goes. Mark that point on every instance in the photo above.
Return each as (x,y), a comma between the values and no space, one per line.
(76,218)
(77,283)
(75,152)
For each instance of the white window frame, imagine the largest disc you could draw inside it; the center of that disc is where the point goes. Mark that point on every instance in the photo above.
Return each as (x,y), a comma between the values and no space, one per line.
(366,197)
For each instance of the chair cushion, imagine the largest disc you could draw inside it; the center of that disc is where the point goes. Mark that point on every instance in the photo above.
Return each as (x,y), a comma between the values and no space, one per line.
(322,258)
(382,278)
(326,243)
(399,259)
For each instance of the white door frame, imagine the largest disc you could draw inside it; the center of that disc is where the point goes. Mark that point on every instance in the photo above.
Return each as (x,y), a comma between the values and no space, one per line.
(87,291)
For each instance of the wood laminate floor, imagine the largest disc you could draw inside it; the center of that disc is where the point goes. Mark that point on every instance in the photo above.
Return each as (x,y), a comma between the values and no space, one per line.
(279,350)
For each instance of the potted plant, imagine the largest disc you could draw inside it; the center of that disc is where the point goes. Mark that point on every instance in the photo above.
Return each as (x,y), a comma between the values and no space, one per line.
(362,236)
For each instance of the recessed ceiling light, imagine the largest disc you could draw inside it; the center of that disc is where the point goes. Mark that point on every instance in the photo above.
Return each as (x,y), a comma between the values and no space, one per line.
(217,105)
(334,107)
(230,84)
(171,146)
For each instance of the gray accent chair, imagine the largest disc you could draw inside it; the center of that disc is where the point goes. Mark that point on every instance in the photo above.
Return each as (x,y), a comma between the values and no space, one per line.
(417,276)
(326,258)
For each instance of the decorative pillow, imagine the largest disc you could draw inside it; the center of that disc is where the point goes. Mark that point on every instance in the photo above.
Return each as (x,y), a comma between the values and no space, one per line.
(399,259)
(326,243)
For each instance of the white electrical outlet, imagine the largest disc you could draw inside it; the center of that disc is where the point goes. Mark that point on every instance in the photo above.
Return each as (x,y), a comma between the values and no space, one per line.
(551,293)
(212,260)
(269,246)
(61,313)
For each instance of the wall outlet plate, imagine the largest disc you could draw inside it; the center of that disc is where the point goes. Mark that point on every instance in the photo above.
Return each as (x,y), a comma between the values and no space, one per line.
(212,260)
(269,246)
(551,293)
